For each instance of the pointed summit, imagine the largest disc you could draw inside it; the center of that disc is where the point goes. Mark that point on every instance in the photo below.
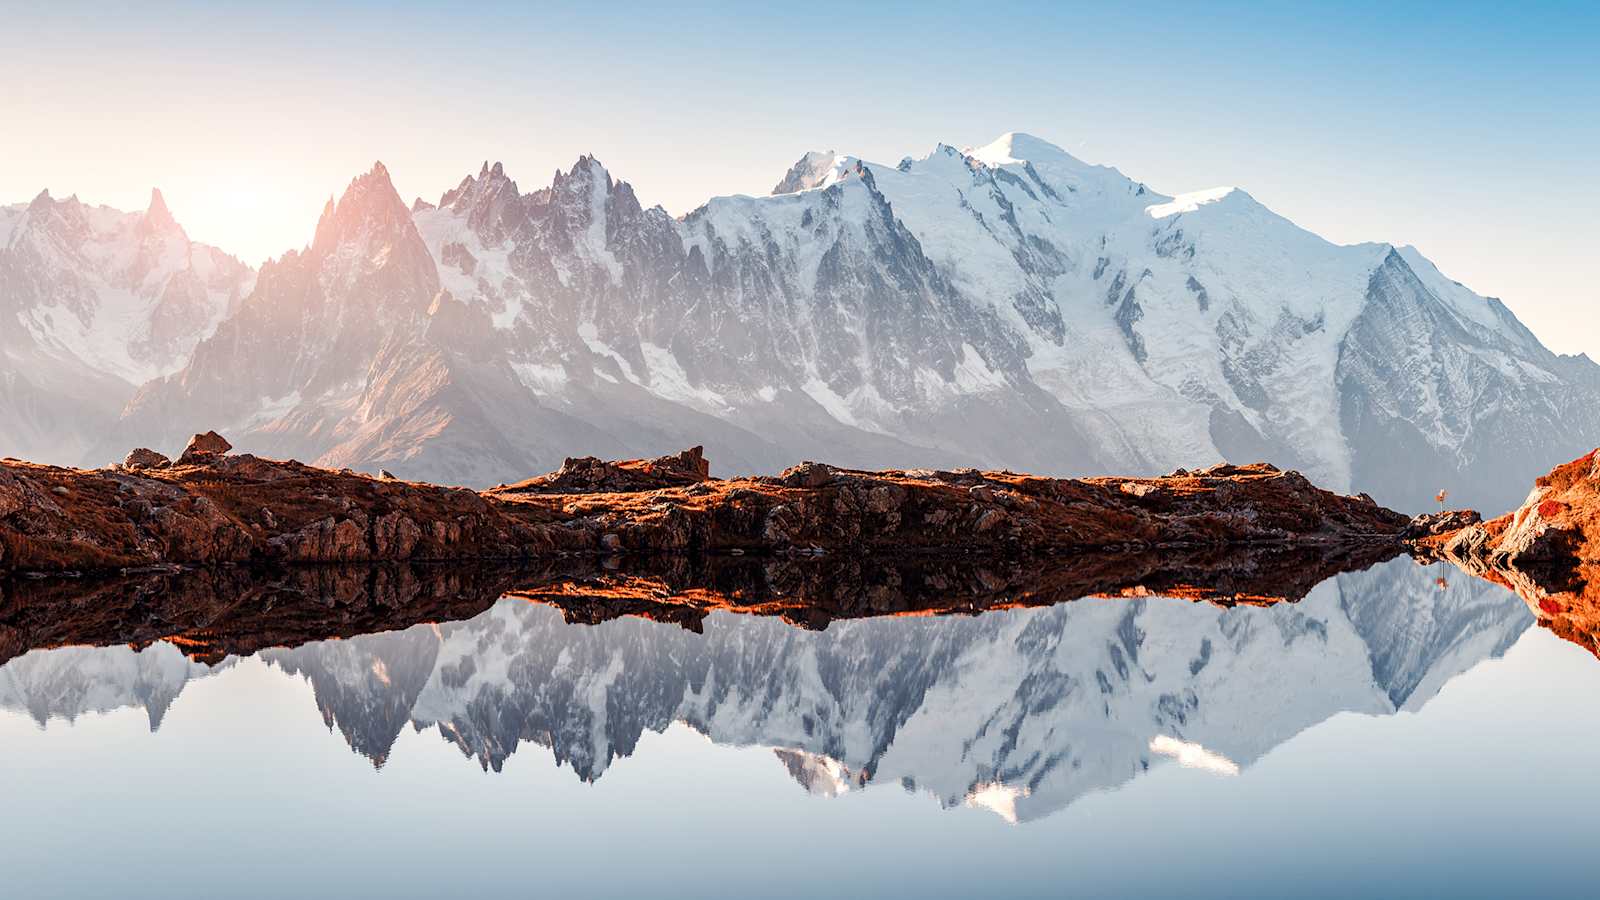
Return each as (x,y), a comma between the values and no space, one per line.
(586,170)
(490,201)
(158,206)
(815,169)
(157,218)
(370,205)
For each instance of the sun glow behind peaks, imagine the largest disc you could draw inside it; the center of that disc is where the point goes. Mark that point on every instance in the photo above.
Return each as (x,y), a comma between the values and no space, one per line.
(247,212)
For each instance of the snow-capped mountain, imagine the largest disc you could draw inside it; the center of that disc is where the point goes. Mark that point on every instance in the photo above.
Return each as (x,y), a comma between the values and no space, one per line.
(1003,306)
(94,302)
(69,682)
(1019,711)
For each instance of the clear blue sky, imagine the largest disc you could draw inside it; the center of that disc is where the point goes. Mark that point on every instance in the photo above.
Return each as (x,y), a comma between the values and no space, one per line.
(1470,130)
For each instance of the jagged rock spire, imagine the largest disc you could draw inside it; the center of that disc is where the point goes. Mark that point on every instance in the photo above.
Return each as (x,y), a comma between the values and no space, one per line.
(369,204)
(157,218)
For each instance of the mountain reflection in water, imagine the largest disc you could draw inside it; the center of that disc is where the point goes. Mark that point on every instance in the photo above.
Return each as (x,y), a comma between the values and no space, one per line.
(1020,710)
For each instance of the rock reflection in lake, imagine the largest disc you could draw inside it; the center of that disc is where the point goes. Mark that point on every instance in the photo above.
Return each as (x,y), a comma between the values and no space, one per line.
(1020,710)
(213,613)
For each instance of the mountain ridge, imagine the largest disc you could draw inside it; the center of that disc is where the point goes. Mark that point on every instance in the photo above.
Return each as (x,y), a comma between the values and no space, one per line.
(928,313)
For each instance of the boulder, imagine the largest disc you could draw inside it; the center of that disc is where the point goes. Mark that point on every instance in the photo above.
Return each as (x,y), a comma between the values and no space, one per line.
(203,448)
(808,475)
(145,458)
(1438,523)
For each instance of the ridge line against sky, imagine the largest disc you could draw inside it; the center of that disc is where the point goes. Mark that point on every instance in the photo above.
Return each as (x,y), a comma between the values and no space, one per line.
(1468,130)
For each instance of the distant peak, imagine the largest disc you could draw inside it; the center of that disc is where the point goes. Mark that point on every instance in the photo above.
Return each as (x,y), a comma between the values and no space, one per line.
(588,162)
(157,217)
(370,201)
(586,170)
(1193,201)
(816,168)
(491,182)
(1019,146)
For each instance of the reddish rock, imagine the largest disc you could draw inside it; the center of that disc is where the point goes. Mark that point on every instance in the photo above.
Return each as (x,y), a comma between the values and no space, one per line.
(144,458)
(214,612)
(12,496)
(587,474)
(209,508)
(1548,551)
(202,447)
(1440,523)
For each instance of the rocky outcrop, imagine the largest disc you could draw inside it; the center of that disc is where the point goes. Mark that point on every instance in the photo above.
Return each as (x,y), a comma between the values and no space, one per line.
(143,458)
(211,508)
(1548,550)
(586,474)
(202,446)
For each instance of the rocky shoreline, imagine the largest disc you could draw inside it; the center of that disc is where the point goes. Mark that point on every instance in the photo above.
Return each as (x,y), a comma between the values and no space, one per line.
(212,612)
(1547,550)
(212,507)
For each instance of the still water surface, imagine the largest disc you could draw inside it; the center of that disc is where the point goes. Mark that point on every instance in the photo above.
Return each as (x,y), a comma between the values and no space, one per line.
(1384,736)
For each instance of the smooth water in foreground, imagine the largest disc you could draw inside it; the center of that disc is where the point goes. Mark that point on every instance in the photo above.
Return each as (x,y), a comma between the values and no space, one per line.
(1385,736)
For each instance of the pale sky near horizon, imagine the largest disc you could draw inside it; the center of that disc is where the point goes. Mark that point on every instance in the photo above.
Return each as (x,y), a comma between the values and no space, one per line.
(1468,130)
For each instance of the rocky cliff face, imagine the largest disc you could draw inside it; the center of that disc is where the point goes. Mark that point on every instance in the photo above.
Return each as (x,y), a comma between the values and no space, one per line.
(1007,305)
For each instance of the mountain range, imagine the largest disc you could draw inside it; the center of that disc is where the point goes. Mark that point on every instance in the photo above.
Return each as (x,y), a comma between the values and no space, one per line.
(1019,711)
(1000,306)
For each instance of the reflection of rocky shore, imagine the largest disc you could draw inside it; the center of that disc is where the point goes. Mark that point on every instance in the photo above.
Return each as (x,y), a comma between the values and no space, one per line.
(212,613)
(1019,710)
(1548,551)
